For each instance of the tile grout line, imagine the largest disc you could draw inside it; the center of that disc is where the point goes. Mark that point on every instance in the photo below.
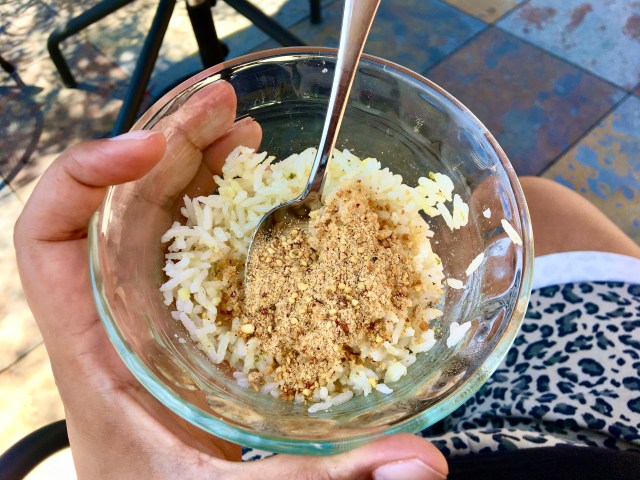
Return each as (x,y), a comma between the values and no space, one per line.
(473,37)
(529,43)
(507,12)
(558,157)
(626,93)
(567,61)
(546,52)
(21,357)
(510,11)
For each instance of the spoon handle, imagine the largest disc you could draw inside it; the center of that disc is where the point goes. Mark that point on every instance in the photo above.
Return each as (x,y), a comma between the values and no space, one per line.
(356,23)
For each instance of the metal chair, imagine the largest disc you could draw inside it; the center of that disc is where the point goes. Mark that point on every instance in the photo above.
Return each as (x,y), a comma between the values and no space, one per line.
(212,51)
(6,66)
(25,455)
(561,462)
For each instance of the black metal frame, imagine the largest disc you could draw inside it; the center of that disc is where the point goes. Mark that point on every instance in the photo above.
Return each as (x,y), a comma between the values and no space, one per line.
(212,51)
(144,67)
(25,455)
(74,26)
(6,66)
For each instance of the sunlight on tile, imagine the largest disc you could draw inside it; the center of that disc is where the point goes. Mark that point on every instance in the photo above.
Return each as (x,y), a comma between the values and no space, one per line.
(601,37)
(605,167)
(18,330)
(53,117)
(486,10)
(24,28)
(28,398)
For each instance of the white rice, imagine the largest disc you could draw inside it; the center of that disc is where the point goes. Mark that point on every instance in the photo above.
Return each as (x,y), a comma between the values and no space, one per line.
(382,388)
(455,283)
(513,235)
(475,263)
(218,228)
(487,213)
(457,333)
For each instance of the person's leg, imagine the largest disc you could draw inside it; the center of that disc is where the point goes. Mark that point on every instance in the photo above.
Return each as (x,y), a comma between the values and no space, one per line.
(574,336)
(564,221)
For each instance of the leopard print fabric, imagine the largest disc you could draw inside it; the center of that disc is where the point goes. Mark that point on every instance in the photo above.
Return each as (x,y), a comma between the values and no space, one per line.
(572,377)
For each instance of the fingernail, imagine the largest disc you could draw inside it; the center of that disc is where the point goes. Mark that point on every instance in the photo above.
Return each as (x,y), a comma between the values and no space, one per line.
(412,469)
(136,135)
(243,121)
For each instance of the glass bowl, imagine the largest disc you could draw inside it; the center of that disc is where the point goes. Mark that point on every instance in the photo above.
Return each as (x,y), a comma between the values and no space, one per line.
(413,127)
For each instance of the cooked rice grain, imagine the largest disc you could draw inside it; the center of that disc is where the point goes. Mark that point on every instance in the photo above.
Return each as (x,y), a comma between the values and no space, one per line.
(217,231)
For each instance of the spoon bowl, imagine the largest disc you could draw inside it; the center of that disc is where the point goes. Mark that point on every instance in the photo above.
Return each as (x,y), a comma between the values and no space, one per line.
(356,22)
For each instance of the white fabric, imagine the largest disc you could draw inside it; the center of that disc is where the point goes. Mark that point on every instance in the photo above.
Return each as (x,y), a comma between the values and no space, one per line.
(568,267)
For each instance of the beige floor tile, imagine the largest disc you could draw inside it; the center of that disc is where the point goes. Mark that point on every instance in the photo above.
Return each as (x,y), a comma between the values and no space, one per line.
(28,398)
(24,28)
(19,334)
(10,208)
(18,330)
(67,9)
(57,466)
(486,10)
(121,35)
(64,116)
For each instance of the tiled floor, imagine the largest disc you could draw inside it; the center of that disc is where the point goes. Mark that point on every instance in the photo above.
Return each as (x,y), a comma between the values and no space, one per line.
(558,83)
(535,104)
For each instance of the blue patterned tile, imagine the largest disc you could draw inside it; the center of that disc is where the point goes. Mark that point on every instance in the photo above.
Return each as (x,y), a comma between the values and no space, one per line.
(605,166)
(535,104)
(602,37)
(413,33)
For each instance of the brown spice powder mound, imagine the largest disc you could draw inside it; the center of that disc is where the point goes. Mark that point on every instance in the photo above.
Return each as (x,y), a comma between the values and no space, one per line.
(314,294)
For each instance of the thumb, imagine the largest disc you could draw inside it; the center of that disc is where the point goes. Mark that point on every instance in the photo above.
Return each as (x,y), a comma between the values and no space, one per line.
(397,457)
(74,186)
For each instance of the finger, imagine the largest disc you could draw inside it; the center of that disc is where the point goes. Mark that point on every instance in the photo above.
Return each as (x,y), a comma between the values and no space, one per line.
(53,267)
(75,184)
(196,125)
(402,456)
(246,132)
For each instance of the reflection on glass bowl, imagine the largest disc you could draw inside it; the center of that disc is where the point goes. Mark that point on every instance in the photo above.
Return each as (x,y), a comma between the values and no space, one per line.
(413,127)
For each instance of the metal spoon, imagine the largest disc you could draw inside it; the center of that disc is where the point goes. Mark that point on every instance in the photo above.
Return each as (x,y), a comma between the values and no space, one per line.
(356,22)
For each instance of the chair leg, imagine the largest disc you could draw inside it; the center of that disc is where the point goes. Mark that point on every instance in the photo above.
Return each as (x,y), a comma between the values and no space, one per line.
(144,67)
(72,27)
(212,51)
(265,23)
(316,11)
(6,66)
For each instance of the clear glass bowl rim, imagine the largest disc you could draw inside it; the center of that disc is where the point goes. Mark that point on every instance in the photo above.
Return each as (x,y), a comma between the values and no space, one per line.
(233,433)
